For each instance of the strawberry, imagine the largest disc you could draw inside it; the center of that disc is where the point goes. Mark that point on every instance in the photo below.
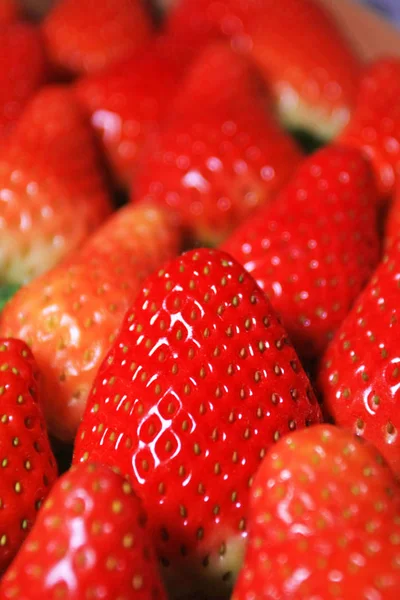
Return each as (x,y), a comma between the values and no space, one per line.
(219,155)
(28,468)
(52,191)
(359,376)
(126,105)
(90,541)
(375,124)
(71,314)
(23,70)
(199,382)
(311,67)
(89,36)
(324,522)
(9,11)
(392,222)
(315,248)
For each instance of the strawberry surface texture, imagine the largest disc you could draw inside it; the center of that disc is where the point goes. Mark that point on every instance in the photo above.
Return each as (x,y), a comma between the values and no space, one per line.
(199,302)
(199,383)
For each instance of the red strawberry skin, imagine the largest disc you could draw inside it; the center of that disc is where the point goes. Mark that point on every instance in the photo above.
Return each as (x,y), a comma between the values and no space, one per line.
(375,124)
(92,522)
(9,11)
(71,314)
(52,187)
(220,155)
(28,468)
(199,383)
(87,37)
(315,248)
(126,105)
(313,90)
(392,222)
(23,69)
(324,521)
(359,376)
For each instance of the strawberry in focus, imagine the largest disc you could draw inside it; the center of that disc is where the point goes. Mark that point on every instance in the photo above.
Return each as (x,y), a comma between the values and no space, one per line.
(221,153)
(375,124)
(359,377)
(23,70)
(311,67)
(315,248)
(28,468)
(89,36)
(127,102)
(199,383)
(52,190)
(324,521)
(70,315)
(92,522)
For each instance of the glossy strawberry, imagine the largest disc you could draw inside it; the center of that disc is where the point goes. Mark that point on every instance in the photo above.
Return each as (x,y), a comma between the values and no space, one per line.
(23,70)
(89,541)
(27,464)
(375,124)
(221,154)
(360,377)
(315,248)
(324,522)
(70,315)
(296,43)
(87,37)
(52,190)
(199,383)
(126,104)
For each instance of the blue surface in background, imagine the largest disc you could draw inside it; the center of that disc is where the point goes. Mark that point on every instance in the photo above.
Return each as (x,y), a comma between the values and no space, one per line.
(387,8)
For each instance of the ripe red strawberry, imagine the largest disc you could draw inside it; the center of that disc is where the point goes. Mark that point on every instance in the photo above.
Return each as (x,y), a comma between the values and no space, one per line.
(315,248)
(375,124)
(126,104)
(52,190)
(23,70)
(220,155)
(27,464)
(70,315)
(324,522)
(199,383)
(89,36)
(360,376)
(312,69)
(9,11)
(89,541)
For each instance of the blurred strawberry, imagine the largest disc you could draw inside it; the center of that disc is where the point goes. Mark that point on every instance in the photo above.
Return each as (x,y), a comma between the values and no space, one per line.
(88,36)
(221,153)
(315,248)
(200,381)
(23,70)
(52,191)
(9,11)
(70,316)
(92,522)
(28,468)
(127,102)
(375,125)
(360,377)
(302,54)
(324,522)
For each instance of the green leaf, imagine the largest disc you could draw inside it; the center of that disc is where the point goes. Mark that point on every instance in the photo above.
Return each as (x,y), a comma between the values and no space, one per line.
(6,292)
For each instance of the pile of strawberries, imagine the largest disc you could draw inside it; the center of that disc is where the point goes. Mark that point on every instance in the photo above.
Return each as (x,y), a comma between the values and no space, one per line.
(199,310)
